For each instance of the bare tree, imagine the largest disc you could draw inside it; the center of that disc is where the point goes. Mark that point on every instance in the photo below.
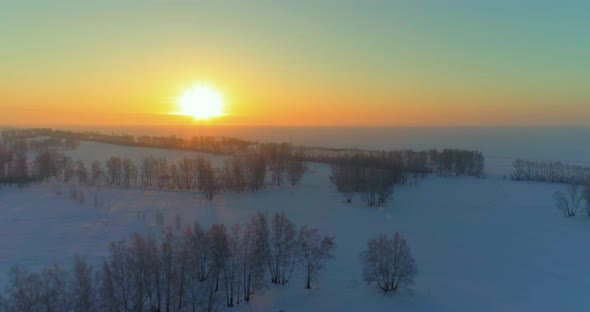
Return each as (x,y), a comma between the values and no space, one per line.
(148,172)
(253,256)
(314,252)
(187,168)
(23,293)
(295,170)
(219,251)
(129,172)
(82,292)
(162,173)
(234,175)
(169,269)
(208,182)
(232,267)
(81,172)
(121,275)
(346,178)
(114,170)
(388,262)
(587,195)
(107,299)
(569,202)
(96,172)
(147,272)
(255,171)
(67,168)
(194,284)
(377,185)
(281,249)
(202,256)
(175,181)
(54,294)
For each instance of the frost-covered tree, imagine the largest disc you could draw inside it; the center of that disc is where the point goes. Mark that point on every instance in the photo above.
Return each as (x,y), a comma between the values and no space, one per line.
(233,266)
(96,172)
(114,170)
(121,272)
(587,195)
(128,172)
(81,172)
(388,262)
(106,289)
(253,256)
(54,293)
(295,170)
(219,251)
(569,202)
(255,171)
(208,180)
(281,249)
(314,251)
(81,286)
(346,177)
(234,174)
(23,291)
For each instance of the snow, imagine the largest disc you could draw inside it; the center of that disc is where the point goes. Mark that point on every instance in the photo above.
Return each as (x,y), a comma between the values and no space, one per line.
(480,244)
(91,151)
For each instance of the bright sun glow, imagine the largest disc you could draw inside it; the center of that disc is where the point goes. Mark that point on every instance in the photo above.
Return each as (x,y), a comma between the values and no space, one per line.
(201,102)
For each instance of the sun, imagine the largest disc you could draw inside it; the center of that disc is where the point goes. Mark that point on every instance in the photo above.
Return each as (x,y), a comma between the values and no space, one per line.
(201,102)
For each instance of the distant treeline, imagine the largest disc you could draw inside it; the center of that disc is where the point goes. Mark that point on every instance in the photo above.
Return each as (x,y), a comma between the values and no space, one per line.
(549,171)
(448,162)
(208,144)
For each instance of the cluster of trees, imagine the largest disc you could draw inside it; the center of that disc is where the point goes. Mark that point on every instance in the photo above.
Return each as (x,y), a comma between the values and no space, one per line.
(569,201)
(456,162)
(375,183)
(283,160)
(244,172)
(553,172)
(373,175)
(388,263)
(48,160)
(197,270)
(14,167)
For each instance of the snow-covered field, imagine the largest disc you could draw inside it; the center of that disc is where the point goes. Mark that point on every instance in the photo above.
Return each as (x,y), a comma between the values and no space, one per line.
(480,244)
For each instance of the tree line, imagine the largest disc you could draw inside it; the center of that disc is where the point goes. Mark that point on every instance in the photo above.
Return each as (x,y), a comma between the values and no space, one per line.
(207,144)
(240,172)
(198,269)
(448,162)
(549,171)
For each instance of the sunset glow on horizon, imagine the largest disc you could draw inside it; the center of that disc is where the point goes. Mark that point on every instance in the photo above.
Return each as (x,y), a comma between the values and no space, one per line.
(200,102)
(333,63)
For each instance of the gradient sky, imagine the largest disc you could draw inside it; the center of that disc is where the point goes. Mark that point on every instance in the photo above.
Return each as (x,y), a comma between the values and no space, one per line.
(353,63)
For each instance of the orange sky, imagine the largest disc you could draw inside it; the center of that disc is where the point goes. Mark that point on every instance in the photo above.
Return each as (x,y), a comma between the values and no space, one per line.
(340,63)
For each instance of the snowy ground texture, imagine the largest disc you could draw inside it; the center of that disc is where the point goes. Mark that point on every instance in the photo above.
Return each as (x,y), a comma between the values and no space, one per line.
(480,244)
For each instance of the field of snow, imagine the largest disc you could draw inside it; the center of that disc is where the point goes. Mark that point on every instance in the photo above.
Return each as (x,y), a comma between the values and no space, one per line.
(480,244)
